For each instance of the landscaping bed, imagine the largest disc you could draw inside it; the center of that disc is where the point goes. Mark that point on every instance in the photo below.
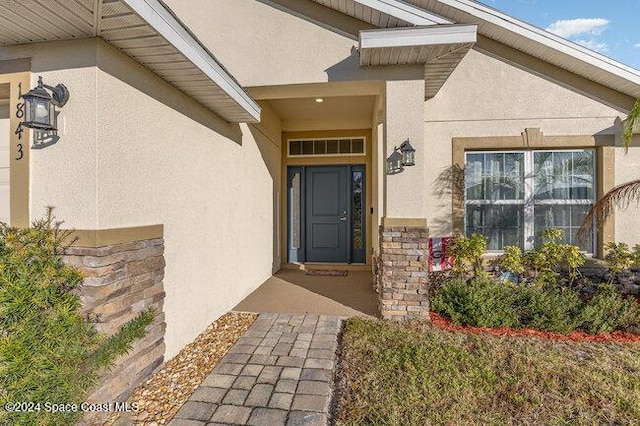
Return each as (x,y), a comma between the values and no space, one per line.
(576,336)
(416,374)
(160,397)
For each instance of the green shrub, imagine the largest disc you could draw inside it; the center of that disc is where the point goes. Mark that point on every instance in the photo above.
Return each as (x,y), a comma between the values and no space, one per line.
(635,256)
(48,352)
(552,309)
(512,261)
(482,302)
(607,310)
(542,265)
(619,258)
(467,253)
(479,302)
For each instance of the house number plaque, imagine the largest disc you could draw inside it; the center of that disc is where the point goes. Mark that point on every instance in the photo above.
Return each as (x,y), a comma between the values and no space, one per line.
(19,130)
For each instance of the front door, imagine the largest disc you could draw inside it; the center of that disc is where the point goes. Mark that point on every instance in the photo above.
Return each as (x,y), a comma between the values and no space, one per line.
(327,214)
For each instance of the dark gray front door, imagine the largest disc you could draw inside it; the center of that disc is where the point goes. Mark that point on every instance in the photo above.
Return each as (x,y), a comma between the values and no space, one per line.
(327,217)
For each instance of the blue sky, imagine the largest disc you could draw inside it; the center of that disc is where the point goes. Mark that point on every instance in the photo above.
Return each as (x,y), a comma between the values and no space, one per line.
(606,26)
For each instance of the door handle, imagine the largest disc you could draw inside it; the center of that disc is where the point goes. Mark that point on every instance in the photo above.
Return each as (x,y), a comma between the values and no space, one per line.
(344,216)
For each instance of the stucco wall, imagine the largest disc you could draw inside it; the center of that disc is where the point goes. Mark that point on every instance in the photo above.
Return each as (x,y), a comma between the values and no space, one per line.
(135,151)
(627,221)
(64,174)
(262,45)
(212,185)
(487,96)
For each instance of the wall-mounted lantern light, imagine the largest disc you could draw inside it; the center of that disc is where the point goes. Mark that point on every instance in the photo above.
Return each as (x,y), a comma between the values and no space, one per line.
(40,106)
(408,154)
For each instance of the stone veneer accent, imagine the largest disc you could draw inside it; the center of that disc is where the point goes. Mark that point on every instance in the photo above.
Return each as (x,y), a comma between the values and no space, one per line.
(627,282)
(402,275)
(121,281)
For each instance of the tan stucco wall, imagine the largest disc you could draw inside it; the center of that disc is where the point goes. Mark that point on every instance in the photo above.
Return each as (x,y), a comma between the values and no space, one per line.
(64,174)
(404,109)
(262,45)
(627,221)
(134,151)
(214,194)
(486,96)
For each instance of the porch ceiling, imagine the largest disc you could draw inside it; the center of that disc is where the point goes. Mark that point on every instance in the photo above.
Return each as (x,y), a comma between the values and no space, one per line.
(143,29)
(440,48)
(333,113)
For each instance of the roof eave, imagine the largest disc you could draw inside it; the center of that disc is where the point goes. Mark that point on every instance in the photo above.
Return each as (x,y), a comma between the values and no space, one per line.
(166,24)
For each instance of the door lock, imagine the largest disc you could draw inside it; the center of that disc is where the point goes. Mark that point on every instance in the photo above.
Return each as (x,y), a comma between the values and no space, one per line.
(344,216)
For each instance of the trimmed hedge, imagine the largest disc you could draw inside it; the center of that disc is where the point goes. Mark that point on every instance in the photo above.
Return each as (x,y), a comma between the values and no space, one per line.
(482,302)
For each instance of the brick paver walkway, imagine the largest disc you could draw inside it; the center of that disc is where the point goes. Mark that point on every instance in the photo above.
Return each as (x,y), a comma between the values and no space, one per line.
(280,372)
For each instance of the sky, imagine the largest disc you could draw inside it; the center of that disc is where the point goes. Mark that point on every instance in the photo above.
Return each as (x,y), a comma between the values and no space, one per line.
(610,27)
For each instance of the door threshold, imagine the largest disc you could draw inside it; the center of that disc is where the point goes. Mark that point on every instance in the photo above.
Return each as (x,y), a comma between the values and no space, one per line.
(328,266)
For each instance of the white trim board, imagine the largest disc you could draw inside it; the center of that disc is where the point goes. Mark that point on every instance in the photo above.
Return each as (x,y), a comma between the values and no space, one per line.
(418,36)
(163,21)
(545,37)
(405,12)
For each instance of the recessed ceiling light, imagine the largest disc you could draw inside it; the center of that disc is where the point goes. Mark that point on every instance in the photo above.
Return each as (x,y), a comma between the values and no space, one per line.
(319,100)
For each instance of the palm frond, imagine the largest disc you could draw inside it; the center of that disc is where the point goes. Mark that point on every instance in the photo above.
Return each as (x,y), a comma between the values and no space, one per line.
(630,124)
(621,197)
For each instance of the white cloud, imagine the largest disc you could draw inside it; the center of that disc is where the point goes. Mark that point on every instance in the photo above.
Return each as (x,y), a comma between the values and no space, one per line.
(596,45)
(637,46)
(573,27)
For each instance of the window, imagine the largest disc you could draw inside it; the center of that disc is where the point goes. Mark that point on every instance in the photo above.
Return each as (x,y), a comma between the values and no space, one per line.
(511,197)
(326,147)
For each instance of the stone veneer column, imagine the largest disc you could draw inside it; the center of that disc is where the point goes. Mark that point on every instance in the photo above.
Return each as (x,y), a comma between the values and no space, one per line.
(122,280)
(403,276)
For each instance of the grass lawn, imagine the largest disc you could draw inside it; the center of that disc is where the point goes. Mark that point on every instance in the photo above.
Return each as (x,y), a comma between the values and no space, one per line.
(401,374)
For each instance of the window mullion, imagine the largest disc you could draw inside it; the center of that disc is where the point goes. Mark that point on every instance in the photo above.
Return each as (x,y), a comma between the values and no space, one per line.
(529,231)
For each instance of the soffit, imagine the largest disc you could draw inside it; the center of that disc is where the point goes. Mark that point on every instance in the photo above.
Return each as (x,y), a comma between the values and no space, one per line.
(143,29)
(440,48)
(385,14)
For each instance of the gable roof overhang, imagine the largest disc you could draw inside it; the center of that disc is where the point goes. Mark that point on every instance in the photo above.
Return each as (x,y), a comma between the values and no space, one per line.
(385,13)
(147,31)
(440,48)
(502,28)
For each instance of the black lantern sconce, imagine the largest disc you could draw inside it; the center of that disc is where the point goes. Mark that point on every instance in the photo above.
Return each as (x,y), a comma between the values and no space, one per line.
(40,106)
(403,156)
(408,154)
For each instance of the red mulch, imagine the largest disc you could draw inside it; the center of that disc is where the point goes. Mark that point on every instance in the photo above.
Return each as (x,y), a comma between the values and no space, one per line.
(576,336)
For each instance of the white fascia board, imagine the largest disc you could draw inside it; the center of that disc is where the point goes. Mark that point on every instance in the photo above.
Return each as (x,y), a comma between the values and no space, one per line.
(163,21)
(544,37)
(418,36)
(405,12)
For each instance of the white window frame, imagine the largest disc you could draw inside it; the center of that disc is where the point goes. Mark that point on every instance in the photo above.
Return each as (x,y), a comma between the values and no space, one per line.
(528,200)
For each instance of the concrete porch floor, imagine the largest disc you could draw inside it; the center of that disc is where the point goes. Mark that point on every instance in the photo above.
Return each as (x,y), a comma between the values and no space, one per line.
(293,292)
